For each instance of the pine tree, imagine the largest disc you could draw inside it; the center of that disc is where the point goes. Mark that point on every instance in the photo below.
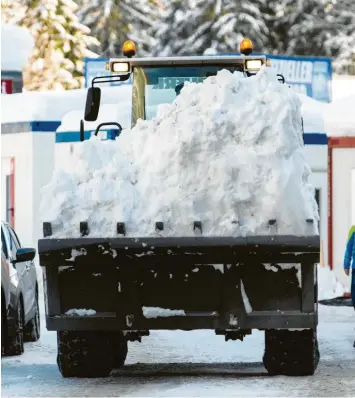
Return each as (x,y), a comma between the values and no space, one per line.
(11,11)
(60,45)
(193,26)
(296,27)
(341,15)
(114,21)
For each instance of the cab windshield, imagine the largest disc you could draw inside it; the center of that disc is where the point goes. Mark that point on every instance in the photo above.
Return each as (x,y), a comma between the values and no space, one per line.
(163,84)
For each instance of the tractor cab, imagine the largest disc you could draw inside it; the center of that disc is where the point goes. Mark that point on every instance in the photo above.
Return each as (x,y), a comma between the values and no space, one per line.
(159,81)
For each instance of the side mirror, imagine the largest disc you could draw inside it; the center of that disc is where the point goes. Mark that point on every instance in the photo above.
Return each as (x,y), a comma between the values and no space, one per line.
(92,106)
(25,254)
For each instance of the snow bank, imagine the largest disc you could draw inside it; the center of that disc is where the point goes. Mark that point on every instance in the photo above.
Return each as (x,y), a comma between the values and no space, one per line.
(339,117)
(227,152)
(156,312)
(16,47)
(53,105)
(313,114)
(342,86)
(328,285)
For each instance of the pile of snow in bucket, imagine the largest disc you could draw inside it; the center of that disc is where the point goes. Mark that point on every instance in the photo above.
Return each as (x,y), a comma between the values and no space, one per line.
(228,152)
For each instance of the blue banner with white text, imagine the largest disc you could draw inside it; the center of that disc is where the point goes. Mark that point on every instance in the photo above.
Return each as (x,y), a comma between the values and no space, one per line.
(311,76)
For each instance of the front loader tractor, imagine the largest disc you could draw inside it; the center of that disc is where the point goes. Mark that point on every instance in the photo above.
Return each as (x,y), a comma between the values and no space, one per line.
(230,285)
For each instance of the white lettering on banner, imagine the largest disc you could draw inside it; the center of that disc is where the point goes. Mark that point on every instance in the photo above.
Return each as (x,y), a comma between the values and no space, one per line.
(294,71)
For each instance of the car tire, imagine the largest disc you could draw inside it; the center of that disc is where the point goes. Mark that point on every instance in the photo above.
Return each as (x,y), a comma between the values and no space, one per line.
(3,326)
(32,331)
(14,344)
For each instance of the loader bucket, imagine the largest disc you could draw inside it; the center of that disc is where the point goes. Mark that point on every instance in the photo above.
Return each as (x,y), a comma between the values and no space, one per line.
(212,280)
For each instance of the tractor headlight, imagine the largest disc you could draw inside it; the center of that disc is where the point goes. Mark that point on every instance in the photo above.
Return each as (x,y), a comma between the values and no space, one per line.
(120,67)
(253,64)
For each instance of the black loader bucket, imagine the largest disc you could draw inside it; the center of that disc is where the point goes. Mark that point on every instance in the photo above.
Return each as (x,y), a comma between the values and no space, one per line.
(205,282)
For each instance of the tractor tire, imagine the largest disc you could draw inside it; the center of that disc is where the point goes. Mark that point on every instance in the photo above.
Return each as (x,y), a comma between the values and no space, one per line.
(84,354)
(32,331)
(120,350)
(14,344)
(291,353)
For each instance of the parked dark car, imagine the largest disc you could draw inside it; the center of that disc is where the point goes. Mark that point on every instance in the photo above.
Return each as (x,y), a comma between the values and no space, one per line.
(20,319)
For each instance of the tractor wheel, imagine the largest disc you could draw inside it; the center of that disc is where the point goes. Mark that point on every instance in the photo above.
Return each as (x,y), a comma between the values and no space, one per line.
(120,349)
(84,354)
(291,352)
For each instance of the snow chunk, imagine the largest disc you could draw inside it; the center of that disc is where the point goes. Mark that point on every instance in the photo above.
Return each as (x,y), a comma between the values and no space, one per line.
(218,267)
(270,267)
(247,306)
(233,320)
(76,253)
(156,312)
(62,268)
(298,268)
(16,46)
(228,149)
(80,312)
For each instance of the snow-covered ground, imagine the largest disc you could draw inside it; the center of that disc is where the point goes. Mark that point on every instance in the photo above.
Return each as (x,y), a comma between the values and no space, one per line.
(192,364)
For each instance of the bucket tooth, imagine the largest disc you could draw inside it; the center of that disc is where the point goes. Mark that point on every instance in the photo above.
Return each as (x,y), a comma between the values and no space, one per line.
(47,229)
(159,226)
(198,225)
(84,228)
(121,228)
(310,223)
